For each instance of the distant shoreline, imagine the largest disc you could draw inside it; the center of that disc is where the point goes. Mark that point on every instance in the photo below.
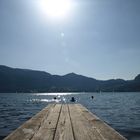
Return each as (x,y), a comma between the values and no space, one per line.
(32,81)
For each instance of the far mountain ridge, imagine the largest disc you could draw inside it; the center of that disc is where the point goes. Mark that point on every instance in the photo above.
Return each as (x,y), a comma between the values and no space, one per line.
(26,80)
(69,74)
(137,78)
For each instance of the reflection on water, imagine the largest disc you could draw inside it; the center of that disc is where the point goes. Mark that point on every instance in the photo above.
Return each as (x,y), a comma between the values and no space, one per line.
(57,94)
(120,110)
(45,100)
(55,97)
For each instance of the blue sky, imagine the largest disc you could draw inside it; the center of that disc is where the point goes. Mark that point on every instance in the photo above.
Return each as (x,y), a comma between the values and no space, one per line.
(98,38)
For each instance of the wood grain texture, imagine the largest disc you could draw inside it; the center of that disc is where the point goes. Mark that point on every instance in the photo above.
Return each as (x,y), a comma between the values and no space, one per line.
(65,122)
(82,129)
(104,130)
(48,128)
(64,128)
(29,128)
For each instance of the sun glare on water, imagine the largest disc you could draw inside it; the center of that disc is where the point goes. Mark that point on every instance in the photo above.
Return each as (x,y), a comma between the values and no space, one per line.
(55,8)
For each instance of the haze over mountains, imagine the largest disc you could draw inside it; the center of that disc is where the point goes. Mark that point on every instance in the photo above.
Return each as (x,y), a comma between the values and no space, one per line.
(23,80)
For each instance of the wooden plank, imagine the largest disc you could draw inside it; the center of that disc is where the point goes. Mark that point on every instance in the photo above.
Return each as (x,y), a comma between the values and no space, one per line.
(64,129)
(81,127)
(48,128)
(102,128)
(65,122)
(29,128)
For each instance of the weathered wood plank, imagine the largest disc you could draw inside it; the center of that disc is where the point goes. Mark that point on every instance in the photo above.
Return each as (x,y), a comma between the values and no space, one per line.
(29,128)
(102,128)
(64,129)
(48,128)
(65,122)
(82,128)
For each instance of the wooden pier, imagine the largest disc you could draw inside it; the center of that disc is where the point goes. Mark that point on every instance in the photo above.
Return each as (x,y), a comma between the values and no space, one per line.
(65,122)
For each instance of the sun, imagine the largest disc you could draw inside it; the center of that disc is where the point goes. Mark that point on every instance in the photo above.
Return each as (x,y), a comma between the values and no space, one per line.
(55,8)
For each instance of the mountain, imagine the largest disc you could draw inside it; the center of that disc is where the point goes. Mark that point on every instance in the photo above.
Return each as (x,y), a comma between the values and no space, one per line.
(24,80)
(12,80)
(137,78)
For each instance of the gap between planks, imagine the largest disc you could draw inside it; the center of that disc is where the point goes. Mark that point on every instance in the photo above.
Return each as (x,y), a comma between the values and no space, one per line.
(65,122)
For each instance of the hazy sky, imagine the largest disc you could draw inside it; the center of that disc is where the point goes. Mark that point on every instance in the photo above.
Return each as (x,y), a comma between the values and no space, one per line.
(97,38)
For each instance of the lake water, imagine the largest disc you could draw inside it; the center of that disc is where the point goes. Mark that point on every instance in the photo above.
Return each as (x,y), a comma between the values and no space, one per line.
(119,110)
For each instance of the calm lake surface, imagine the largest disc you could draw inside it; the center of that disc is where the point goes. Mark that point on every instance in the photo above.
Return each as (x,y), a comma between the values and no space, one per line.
(119,110)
